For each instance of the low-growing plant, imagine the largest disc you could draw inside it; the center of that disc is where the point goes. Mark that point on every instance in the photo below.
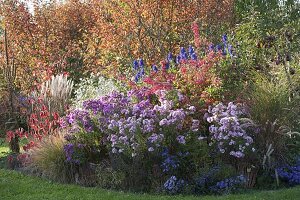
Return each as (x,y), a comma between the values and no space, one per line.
(290,173)
(48,159)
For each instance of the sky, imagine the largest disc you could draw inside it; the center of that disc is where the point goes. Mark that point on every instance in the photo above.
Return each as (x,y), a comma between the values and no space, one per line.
(29,4)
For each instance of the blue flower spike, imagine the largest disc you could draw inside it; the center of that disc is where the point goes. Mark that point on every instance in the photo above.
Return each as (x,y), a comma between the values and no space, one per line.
(135,65)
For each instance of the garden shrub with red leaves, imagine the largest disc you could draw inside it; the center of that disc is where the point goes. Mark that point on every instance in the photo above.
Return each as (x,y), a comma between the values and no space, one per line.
(194,78)
(41,122)
(197,80)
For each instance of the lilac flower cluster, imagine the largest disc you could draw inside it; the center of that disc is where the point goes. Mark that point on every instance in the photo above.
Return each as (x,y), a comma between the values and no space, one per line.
(229,184)
(131,122)
(80,119)
(150,121)
(290,174)
(227,129)
(174,185)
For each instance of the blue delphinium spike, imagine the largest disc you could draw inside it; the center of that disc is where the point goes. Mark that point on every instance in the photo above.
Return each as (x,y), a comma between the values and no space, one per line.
(178,58)
(154,68)
(230,50)
(218,47)
(194,56)
(211,47)
(170,57)
(225,39)
(191,50)
(167,66)
(182,50)
(142,72)
(141,63)
(183,54)
(137,77)
(224,52)
(135,65)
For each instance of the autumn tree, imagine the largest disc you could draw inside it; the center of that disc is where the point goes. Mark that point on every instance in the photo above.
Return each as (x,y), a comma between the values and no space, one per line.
(150,29)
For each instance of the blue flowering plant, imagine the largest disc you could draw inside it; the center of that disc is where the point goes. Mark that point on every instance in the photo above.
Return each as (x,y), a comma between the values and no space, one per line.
(186,55)
(206,179)
(174,185)
(229,185)
(290,173)
(179,163)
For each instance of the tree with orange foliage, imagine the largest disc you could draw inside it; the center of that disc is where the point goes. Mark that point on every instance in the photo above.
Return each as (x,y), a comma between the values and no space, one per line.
(49,41)
(93,35)
(150,29)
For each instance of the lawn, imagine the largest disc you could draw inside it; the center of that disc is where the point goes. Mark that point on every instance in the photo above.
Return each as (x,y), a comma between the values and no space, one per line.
(14,185)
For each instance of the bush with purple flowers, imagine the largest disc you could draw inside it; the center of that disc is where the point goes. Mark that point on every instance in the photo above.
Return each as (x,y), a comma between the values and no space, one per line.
(75,153)
(228,132)
(133,123)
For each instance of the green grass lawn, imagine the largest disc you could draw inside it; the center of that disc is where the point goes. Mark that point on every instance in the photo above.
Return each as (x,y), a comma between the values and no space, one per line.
(14,185)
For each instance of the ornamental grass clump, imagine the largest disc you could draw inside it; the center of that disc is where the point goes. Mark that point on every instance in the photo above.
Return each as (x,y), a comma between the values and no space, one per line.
(56,93)
(48,159)
(277,117)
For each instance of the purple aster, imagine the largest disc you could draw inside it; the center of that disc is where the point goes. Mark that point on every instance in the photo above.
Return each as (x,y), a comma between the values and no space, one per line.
(181,139)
